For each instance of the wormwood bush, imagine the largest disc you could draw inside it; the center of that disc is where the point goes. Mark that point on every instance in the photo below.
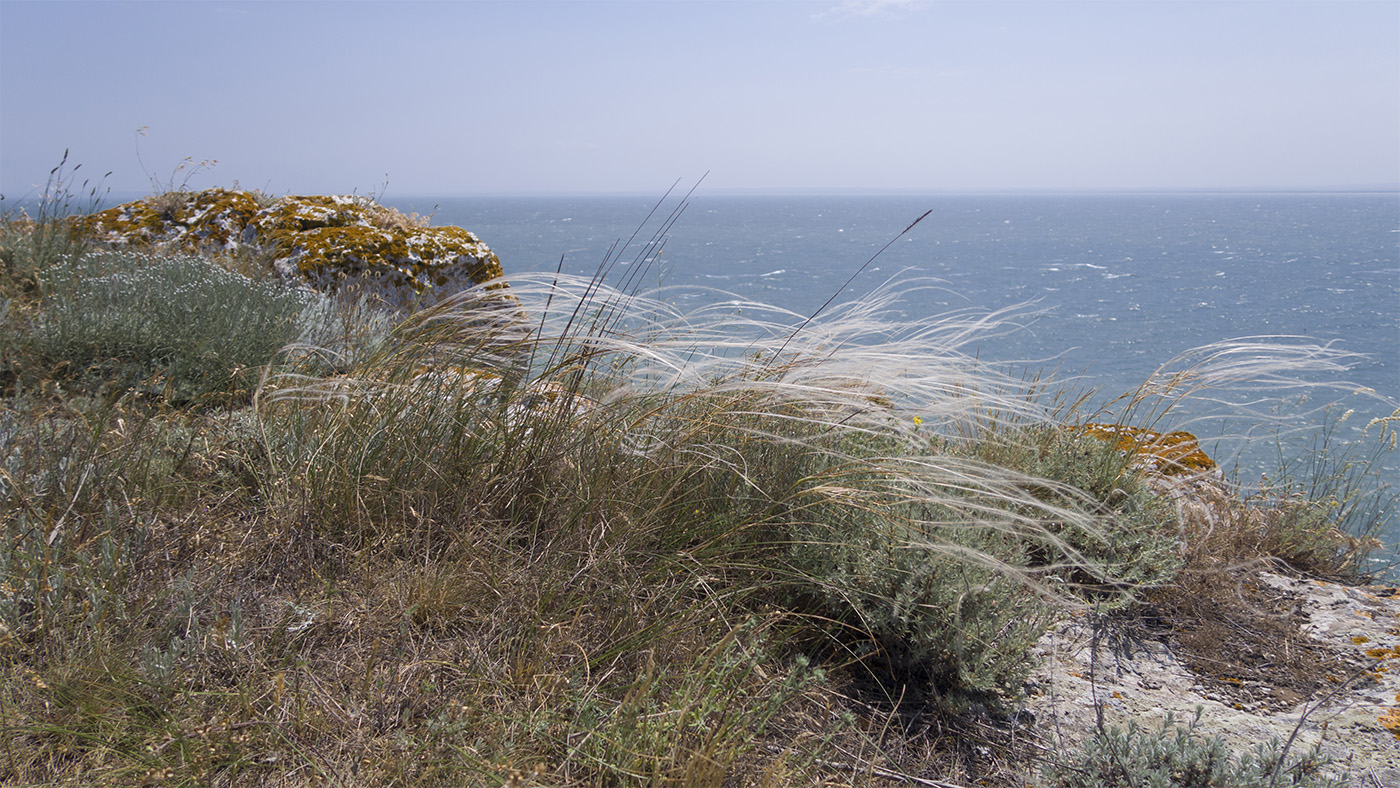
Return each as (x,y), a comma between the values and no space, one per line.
(1177,756)
(930,597)
(1133,543)
(175,324)
(28,247)
(53,582)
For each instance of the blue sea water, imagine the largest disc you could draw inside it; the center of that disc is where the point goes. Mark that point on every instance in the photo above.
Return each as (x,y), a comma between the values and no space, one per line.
(1121,283)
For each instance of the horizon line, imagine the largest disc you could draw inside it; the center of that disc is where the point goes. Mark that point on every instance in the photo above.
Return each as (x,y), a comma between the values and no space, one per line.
(126,195)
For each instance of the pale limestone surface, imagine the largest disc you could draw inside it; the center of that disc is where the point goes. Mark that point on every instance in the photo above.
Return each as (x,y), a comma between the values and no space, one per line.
(1358,723)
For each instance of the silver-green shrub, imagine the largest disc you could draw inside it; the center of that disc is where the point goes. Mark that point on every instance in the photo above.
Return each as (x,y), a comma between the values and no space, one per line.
(178,325)
(1178,756)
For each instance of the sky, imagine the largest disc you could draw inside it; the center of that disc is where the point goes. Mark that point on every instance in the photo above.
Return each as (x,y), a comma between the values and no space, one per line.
(593,97)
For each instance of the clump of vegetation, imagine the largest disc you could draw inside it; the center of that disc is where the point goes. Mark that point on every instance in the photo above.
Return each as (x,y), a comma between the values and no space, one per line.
(31,244)
(176,325)
(1179,756)
(576,538)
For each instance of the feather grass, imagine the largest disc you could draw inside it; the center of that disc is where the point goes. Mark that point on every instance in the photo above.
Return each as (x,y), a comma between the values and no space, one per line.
(845,465)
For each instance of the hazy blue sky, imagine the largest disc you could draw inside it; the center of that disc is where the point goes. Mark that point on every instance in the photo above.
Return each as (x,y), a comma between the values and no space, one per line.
(589,96)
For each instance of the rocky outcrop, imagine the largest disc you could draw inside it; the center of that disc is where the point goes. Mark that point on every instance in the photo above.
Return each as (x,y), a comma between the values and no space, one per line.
(328,241)
(1170,454)
(1087,668)
(1261,653)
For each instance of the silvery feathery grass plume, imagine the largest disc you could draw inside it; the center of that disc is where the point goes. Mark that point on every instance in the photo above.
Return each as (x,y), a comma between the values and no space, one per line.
(868,466)
(1239,374)
(858,389)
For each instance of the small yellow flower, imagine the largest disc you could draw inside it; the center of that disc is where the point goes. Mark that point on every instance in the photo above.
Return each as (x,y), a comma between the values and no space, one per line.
(918,421)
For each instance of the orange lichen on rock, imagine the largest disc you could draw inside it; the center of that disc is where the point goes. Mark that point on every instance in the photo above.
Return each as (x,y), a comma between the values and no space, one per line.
(1165,454)
(324,240)
(1390,720)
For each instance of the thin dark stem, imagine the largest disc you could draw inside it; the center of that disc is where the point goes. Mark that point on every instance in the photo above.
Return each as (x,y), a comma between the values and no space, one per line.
(843,287)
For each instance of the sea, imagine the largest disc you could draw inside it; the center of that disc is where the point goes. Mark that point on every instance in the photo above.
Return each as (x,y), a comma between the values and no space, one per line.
(1109,288)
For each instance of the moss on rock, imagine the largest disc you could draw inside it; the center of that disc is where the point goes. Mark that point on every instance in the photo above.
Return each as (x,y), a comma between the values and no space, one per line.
(328,241)
(188,220)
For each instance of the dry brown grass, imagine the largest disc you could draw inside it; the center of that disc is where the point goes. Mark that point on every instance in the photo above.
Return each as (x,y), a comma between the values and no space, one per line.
(1243,638)
(391,218)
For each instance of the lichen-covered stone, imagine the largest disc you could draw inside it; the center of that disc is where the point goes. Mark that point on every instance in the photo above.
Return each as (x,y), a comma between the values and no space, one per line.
(214,218)
(328,241)
(1155,453)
